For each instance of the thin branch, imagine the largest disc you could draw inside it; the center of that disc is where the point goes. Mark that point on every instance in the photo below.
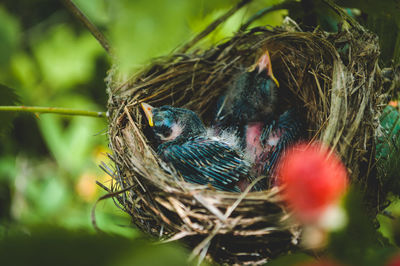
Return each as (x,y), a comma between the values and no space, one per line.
(212,26)
(285,5)
(88,24)
(53,110)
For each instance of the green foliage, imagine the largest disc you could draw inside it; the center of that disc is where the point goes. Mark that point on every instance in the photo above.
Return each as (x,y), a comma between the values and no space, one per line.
(382,18)
(66,59)
(9,28)
(358,243)
(293,259)
(48,163)
(390,128)
(140,32)
(8,96)
(387,150)
(50,246)
(390,222)
(48,167)
(312,13)
(388,30)
(63,135)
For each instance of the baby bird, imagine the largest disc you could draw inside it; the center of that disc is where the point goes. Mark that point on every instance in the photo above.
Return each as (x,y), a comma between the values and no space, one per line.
(275,139)
(251,100)
(199,158)
(249,109)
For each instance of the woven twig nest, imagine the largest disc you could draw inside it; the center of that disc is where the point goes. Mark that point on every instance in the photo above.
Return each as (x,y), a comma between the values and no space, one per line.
(335,77)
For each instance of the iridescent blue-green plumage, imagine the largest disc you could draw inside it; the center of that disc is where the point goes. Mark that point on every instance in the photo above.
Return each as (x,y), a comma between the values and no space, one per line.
(202,160)
(197,157)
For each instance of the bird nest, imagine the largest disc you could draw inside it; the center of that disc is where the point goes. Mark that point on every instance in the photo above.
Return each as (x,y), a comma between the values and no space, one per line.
(333,76)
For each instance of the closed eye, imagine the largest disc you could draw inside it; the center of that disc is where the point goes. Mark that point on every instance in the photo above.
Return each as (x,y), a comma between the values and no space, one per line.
(162,129)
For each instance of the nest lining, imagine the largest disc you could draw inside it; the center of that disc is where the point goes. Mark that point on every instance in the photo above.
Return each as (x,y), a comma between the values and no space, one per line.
(335,77)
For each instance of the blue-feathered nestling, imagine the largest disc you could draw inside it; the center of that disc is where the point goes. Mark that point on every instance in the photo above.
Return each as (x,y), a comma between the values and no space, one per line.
(249,108)
(199,158)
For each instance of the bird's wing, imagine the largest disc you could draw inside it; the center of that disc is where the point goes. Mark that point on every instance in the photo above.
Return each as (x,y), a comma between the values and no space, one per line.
(203,161)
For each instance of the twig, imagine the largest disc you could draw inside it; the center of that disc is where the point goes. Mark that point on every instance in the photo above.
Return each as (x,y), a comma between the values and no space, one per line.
(103,186)
(285,5)
(120,199)
(88,24)
(205,242)
(109,195)
(213,25)
(242,196)
(53,110)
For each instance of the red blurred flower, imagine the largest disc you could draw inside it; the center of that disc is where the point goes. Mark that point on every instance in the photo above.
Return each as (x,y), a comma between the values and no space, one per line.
(313,178)
(394,261)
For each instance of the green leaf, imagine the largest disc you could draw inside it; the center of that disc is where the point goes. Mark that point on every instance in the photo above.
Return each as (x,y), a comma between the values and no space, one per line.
(8,96)
(139,32)
(65,58)
(9,35)
(390,128)
(390,224)
(358,243)
(71,139)
(387,150)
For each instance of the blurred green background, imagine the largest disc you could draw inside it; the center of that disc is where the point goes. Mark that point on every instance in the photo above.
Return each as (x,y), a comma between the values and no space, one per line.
(49,163)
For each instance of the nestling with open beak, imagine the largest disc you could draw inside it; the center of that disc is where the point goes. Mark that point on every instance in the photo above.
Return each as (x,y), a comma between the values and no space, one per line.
(249,109)
(252,98)
(199,158)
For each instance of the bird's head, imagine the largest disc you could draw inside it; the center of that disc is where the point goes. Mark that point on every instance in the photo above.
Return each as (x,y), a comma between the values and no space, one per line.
(264,65)
(252,96)
(170,123)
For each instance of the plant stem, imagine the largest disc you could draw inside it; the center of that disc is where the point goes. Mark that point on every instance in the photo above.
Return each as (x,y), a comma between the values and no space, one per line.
(88,24)
(53,110)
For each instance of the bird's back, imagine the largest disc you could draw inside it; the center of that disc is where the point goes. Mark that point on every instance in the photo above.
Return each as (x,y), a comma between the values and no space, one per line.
(203,160)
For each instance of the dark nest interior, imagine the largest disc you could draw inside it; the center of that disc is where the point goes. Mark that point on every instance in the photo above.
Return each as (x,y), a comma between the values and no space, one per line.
(334,76)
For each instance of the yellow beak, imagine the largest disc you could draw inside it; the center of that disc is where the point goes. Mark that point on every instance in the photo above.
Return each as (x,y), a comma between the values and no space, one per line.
(148,111)
(265,63)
